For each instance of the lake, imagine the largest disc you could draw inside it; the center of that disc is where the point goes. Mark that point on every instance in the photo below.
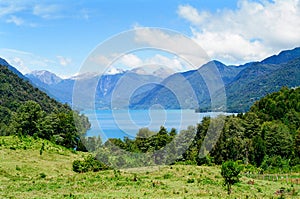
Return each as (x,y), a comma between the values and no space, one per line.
(121,123)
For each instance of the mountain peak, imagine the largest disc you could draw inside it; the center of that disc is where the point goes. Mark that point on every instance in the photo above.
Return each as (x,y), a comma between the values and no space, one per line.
(45,76)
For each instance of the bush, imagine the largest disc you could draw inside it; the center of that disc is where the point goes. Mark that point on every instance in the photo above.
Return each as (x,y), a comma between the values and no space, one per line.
(230,172)
(89,163)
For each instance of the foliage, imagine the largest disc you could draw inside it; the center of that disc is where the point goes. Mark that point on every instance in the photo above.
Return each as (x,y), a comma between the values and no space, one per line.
(21,172)
(257,137)
(270,129)
(230,172)
(27,111)
(89,163)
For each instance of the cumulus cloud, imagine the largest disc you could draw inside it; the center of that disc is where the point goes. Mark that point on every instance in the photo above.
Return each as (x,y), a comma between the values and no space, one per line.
(192,14)
(158,59)
(146,46)
(131,60)
(251,32)
(172,42)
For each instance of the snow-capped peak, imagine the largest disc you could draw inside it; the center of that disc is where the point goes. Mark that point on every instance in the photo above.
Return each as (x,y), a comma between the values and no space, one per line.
(45,76)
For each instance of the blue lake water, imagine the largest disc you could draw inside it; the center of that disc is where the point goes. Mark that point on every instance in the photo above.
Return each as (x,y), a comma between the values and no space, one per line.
(121,123)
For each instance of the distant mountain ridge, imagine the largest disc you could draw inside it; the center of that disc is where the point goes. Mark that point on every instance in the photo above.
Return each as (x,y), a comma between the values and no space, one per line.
(283,57)
(62,89)
(243,84)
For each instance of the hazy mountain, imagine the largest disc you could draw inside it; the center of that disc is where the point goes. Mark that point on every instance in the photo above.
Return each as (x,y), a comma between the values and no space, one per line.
(107,85)
(146,87)
(186,89)
(243,84)
(44,76)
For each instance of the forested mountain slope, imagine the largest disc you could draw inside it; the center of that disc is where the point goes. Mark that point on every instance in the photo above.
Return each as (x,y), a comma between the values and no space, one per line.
(27,111)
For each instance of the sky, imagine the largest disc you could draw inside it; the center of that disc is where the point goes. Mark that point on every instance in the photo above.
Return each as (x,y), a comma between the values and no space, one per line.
(59,35)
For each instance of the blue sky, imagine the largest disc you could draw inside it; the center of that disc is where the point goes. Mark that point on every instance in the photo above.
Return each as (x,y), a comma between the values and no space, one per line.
(59,35)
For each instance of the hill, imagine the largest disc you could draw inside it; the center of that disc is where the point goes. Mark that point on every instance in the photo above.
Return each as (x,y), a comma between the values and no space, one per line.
(24,173)
(15,91)
(25,110)
(11,68)
(260,80)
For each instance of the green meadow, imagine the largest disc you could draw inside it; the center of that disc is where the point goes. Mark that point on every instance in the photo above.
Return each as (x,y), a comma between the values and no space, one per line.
(29,170)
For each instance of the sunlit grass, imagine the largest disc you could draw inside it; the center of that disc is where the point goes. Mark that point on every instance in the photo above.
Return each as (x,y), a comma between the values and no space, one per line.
(24,173)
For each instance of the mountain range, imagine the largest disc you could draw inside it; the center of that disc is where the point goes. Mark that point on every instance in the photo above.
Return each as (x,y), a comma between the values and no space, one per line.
(142,89)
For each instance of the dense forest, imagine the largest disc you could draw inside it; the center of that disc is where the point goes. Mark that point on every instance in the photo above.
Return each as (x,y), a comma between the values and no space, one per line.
(267,136)
(27,111)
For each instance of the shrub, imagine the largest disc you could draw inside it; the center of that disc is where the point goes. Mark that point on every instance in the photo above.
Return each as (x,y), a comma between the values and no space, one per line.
(167,176)
(230,172)
(89,163)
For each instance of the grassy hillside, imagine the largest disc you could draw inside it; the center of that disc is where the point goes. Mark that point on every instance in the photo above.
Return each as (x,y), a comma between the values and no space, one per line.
(24,173)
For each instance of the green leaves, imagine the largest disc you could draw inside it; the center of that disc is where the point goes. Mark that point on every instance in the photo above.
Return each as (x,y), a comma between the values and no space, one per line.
(89,163)
(278,139)
(230,172)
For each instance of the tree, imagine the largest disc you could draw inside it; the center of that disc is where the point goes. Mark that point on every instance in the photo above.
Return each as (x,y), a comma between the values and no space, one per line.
(278,139)
(259,150)
(28,117)
(230,172)
(297,144)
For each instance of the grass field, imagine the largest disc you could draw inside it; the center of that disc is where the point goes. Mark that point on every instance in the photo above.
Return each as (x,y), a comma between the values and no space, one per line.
(26,173)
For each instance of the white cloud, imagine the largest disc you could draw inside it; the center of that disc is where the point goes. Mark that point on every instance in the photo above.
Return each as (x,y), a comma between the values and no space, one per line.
(131,61)
(173,42)
(251,32)
(64,61)
(19,63)
(173,62)
(26,62)
(47,11)
(12,10)
(192,14)
(169,62)
(10,7)
(16,20)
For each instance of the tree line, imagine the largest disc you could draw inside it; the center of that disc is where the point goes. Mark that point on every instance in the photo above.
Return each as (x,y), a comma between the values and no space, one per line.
(267,136)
